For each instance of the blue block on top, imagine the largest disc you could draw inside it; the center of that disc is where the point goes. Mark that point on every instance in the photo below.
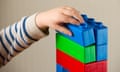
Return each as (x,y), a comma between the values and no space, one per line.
(82,34)
(59,68)
(85,17)
(101,34)
(100,31)
(101,52)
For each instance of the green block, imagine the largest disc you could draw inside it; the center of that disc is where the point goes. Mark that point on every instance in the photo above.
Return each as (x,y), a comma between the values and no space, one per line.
(83,54)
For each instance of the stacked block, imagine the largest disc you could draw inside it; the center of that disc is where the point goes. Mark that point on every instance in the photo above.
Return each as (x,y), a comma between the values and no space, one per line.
(85,50)
(101,40)
(60,68)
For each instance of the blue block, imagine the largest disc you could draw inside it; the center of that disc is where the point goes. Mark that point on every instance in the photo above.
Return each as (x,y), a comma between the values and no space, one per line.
(100,31)
(82,34)
(84,17)
(101,51)
(65,70)
(101,34)
(59,68)
(101,37)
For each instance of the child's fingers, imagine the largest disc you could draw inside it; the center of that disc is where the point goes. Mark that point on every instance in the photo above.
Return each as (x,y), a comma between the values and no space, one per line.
(62,29)
(69,19)
(80,17)
(72,12)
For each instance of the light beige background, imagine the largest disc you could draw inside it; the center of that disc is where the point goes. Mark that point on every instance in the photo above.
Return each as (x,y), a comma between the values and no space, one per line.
(40,57)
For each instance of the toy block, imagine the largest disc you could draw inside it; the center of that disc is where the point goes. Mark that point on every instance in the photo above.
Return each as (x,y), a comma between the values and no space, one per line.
(75,66)
(96,67)
(59,68)
(83,54)
(69,63)
(100,31)
(84,17)
(65,70)
(82,34)
(101,52)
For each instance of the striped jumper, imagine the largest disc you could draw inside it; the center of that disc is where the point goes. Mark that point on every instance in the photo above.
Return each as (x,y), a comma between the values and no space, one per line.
(17,37)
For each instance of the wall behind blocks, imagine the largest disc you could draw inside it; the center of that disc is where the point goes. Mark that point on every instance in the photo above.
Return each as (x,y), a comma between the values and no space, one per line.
(40,57)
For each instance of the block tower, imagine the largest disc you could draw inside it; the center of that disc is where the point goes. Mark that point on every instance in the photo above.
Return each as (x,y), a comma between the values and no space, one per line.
(85,50)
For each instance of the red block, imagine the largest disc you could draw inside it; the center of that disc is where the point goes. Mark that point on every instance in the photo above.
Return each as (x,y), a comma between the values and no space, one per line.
(74,65)
(96,67)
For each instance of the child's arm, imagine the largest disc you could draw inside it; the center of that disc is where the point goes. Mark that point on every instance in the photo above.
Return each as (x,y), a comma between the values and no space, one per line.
(55,18)
(19,36)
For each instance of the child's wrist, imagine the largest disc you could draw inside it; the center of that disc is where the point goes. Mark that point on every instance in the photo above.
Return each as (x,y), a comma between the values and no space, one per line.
(41,26)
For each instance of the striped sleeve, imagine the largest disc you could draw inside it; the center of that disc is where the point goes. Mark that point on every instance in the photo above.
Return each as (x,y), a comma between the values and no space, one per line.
(17,37)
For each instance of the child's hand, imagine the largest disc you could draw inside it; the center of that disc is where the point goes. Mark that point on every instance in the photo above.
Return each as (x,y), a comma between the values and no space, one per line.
(55,19)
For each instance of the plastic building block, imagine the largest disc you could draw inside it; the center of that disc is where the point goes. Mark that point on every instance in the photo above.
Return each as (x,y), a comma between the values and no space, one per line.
(69,63)
(101,51)
(82,34)
(84,17)
(75,66)
(96,67)
(59,68)
(83,54)
(65,70)
(100,31)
